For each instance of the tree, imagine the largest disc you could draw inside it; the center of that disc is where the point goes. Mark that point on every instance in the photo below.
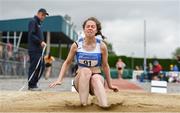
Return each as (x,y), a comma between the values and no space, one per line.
(176,53)
(110,49)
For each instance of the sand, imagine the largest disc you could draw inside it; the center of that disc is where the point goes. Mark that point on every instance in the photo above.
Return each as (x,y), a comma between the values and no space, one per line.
(123,101)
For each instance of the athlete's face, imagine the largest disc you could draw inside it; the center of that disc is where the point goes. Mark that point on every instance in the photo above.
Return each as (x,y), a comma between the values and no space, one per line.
(90,29)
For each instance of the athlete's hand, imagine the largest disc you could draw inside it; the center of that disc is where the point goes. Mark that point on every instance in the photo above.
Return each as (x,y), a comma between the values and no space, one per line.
(114,88)
(53,84)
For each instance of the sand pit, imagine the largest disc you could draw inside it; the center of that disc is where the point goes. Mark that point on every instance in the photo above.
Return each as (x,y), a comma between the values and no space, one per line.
(123,101)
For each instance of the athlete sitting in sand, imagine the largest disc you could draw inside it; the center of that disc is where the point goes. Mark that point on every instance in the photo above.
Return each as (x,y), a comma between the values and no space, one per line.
(91,54)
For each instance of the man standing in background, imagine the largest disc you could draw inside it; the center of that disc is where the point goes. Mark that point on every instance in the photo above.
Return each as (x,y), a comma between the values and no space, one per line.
(35,47)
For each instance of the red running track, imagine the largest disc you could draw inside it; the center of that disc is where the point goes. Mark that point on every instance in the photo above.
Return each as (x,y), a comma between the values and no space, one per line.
(124,85)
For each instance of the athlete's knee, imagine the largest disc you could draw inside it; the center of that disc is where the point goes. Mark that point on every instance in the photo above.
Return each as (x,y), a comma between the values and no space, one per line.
(95,79)
(85,72)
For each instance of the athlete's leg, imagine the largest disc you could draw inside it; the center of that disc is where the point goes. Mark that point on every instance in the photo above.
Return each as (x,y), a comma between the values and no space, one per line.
(82,80)
(120,73)
(97,87)
(47,72)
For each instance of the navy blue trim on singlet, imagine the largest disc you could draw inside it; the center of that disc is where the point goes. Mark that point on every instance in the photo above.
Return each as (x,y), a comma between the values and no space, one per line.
(98,40)
(89,56)
(98,57)
(81,39)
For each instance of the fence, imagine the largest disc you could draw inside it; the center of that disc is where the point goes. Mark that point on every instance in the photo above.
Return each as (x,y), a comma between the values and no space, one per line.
(15,62)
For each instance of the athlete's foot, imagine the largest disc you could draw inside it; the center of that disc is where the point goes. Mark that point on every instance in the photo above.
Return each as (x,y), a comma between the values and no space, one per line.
(104,106)
(83,105)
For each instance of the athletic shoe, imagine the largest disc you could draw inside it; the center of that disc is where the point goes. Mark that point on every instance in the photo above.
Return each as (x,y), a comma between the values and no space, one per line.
(34,89)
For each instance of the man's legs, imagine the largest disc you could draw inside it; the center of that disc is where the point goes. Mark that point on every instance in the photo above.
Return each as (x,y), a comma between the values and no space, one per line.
(34,58)
(41,69)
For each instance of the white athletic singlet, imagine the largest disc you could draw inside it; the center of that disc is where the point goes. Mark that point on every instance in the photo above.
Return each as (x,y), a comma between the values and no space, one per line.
(88,58)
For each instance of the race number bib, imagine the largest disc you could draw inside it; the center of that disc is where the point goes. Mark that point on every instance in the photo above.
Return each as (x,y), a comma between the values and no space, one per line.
(89,63)
(88,59)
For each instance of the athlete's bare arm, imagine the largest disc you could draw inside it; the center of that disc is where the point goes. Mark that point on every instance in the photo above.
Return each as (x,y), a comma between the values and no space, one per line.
(65,65)
(105,66)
